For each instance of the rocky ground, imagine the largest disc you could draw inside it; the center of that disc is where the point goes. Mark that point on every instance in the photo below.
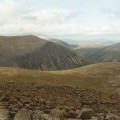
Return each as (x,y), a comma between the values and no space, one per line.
(28,101)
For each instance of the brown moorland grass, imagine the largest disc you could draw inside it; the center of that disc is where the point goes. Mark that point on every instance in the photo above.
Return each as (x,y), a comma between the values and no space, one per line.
(102,76)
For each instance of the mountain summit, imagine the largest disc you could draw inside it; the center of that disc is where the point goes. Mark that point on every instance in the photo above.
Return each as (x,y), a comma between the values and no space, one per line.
(31,52)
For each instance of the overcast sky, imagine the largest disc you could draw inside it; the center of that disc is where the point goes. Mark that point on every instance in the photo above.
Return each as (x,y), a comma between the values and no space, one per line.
(75,19)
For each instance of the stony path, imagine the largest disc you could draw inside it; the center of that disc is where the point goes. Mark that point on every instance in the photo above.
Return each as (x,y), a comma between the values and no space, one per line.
(29,101)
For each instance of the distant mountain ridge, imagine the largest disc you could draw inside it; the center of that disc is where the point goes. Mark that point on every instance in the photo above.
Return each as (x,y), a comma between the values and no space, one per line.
(104,54)
(63,43)
(31,52)
(110,53)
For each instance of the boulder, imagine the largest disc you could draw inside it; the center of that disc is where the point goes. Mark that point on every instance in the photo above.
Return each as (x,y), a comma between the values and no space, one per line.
(100,116)
(94,118)
(56,113)
(23,114)
(49,117)
(48,104)
(46,117)
(4,114)
(85,113)
(69,113)
(37,115)
(72,119)
(111,116)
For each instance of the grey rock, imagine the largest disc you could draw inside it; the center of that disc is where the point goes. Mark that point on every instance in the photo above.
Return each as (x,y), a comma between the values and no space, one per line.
(48,104)
(37,115)
(72,119)
(49,117)
(23,114)
(86,113)
(46,117)
(4,115)
(111,116)
(100,116)
(94,118)
(56,113)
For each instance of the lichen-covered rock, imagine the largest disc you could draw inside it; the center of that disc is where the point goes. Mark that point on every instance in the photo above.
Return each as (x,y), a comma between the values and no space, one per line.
(23,114)
(37,115)
(4,115)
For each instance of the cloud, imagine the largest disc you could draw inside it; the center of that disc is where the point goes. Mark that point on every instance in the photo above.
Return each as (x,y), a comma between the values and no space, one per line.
(17,17)
(10,10)
(52,21)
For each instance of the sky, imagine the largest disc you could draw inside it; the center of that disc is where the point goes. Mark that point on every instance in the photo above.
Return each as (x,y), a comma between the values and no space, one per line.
(64,19)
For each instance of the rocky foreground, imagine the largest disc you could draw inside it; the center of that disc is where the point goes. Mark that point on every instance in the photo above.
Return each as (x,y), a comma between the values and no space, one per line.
(28,101)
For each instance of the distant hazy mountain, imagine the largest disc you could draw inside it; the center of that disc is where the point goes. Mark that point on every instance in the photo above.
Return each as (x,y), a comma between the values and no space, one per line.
(35,53)
(63,43)
(110,53)
(92,43)
(103,54)
(88,54)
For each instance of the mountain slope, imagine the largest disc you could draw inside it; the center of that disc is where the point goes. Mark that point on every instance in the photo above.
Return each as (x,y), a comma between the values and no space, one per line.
(35,53)
(103,76)
(95,86)
(103,54)
(88,54)
(16,45)
(64,44)
(110,53)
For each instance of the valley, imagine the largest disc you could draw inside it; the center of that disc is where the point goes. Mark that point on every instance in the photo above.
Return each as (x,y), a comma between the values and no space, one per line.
(59,59)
